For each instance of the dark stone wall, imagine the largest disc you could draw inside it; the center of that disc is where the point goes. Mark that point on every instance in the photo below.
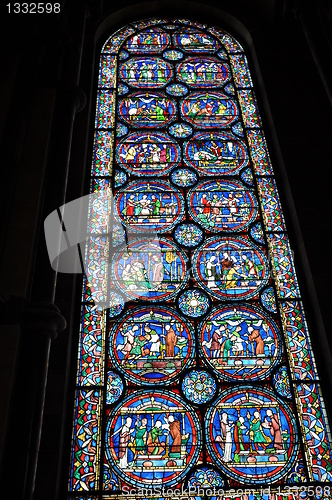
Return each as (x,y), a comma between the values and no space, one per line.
(289,46)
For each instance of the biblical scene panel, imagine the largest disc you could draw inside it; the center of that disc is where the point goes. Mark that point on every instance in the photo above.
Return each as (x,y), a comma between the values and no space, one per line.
(148,110)
(146,72)
(148,153)
(152,345)
(252,435)
(153,437)
(209,110)
(152,205)
(240,343)
(221,205)
(231,268)
(215,153)
(203,72)
(150,270)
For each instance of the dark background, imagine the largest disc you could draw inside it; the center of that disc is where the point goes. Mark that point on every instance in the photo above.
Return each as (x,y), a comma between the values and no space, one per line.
(48,69)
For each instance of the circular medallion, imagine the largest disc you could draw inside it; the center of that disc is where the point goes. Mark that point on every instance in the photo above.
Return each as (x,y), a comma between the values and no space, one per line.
(230,268)
(281,382)
(145,72)
(122,89)
(180,130)
(222,205)
(123,55)
(166,435)
(121,130)
(147,110)
(173,55)
(268,300)
(241,343)
(118,235)
(238,129)
(205,477)
(217,153)
(199,387)
(152,345)
(150,269)
(114,387)
(251,435)
(183,177)
(188,235)
(256,232)
(177,90)
(229,89)
(202,72)
(223,55)
(149,206)
(193,303)
(120,177)
(209,109)
(115,305)
(148,153)
(149,41)
(247,177)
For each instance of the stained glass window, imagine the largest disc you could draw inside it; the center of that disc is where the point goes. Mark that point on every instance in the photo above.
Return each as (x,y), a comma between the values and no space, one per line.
(195,366)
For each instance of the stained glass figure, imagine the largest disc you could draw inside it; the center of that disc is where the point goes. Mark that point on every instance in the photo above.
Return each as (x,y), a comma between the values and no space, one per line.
(215,153)
(193,303)
(142,72)
(281,382)
(190,285)
(114,387)
(148,153)
(241,343)
(152,438)
(150,271)
(152,205)
(202,72)
(150,41)
(188,235)
(192,40)
(152,345)
(148,110)
(252,435)
(221,205)
(199,387)
(230,268)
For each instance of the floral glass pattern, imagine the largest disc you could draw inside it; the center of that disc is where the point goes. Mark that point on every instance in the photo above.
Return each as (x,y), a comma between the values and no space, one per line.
(199,369)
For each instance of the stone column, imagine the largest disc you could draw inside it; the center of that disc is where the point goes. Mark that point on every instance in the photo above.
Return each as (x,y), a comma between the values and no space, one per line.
(40,324)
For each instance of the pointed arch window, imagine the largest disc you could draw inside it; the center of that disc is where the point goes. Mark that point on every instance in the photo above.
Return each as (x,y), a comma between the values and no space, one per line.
(195,365)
